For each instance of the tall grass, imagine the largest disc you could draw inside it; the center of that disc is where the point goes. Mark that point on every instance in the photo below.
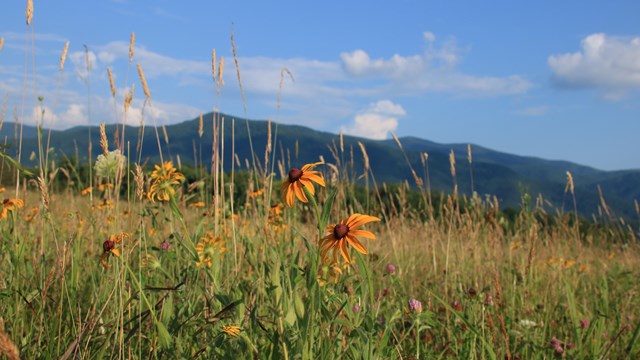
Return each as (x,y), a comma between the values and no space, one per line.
(221,268)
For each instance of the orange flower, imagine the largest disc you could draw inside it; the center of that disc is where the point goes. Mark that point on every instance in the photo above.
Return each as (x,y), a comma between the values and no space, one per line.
(9,205)
(339,235)
(111,247)
(299,178)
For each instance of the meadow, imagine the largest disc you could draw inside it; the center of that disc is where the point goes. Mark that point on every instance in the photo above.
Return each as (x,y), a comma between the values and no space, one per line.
(121,257)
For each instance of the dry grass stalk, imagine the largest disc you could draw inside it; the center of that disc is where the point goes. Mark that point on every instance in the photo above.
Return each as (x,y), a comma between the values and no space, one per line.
(7,347)
(341,142)
(452,163)
(220,82)
(282,72)
(87,62)
(569,187)
(200,126)
(44,192)
(63,58)
(138,176)
(235,59)
(213,65)
(104,142)
(143,81)
(1,42)
(128,98)
(365,157)
(29,12)
(635,202)
(166,136)
(132,42)
(112,84)
(469,157)
(406,158)
(604,205)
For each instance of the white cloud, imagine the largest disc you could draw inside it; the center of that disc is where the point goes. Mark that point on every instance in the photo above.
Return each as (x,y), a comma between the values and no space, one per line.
(434,71)
(610,63)
(429,36)
(376,121)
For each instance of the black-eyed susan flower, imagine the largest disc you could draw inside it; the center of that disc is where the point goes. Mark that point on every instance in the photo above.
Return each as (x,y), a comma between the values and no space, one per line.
(231,330)
(208,248)
(164,178)
(339,235)
(110,247)
(293,185)
(9,205)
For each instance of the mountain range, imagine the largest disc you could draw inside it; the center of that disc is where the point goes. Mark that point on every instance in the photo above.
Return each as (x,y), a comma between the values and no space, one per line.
(494,173)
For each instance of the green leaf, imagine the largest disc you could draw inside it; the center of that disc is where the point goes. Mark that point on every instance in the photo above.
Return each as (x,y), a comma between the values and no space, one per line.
(326,209)
(163,335)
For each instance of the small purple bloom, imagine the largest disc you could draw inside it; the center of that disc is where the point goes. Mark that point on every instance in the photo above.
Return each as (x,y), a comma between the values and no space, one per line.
(415,305)
(391,269)
(584,323)
(165,245)
(356,307)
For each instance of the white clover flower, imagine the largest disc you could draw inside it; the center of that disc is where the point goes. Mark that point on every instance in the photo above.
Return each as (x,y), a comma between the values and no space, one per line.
(107,166)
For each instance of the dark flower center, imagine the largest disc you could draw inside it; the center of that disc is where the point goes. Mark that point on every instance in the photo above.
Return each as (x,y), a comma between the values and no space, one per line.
(340,231)
(295,174)
(107,245)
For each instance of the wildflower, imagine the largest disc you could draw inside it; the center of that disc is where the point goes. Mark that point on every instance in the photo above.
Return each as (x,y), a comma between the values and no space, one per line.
(488,301)
(108,166)
(9,205)
(525,323)
(472,292)
(164,178)
(339,235)
(356,307)
(329,274)
(415,305)
(299,178)
(391,269)
(584,323)
(457,306)
(110,247)
(31,214)
(86,191)
(557,346)
(165,245)
(208,247)
(197,204)
(231,330)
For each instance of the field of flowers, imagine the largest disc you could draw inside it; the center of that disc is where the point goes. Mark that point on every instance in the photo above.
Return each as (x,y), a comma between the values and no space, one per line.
(115,259)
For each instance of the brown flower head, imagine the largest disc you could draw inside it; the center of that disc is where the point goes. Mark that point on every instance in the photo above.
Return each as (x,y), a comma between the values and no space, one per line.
(339,235)
(293,185)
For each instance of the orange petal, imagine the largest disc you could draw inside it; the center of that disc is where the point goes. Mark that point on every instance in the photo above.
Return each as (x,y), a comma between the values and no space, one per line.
(356,244)
(315,177)
(345,251)
(307,184)
(357,220)
(300,193)
(363,233)
(311,166)
(115,252)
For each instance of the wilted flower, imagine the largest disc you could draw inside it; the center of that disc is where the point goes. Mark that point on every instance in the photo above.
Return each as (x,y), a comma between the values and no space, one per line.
(165,245)
(298,179)
(339,235)
(488,301)
(525,323)
(107,166)
(415,305)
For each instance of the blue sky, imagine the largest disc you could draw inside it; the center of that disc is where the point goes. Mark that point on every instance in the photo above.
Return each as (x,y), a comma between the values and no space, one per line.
(552,79)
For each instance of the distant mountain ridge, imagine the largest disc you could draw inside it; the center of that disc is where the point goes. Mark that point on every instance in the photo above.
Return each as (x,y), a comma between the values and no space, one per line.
(495,173)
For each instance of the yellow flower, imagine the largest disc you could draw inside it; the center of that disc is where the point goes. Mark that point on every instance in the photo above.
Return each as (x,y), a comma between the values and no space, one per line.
(164,177)
(231,330)
(31,214)
(339,235)
(299,178)
(9,205)
(207,248)
(86,191)
(198,204)
(329,273)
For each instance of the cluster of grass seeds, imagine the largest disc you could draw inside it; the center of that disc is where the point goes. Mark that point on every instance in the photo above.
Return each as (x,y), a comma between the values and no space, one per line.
(320,262)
